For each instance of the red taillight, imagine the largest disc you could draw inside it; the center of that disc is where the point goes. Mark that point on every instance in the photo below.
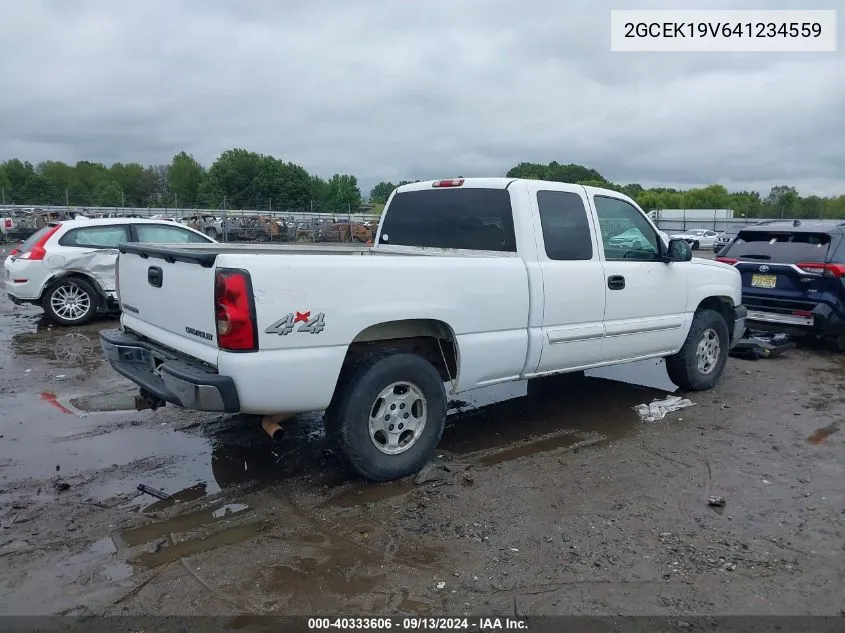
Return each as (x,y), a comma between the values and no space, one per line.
(829,270)
(14,251)
(234,311)
(38,252)
(802,313)
(451,182)
(8,223)
(727,260)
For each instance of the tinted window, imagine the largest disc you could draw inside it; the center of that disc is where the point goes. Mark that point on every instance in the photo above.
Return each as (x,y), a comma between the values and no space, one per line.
(779,247)
(566,232)
(96,236)
(626,234)
(163,234)
(474,219)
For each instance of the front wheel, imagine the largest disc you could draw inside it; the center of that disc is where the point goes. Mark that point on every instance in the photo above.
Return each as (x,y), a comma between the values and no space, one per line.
(388,414)
(695,246)
(70,302)
(700,362)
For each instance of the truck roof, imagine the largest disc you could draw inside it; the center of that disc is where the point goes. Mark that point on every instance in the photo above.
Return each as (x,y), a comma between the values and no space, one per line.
(501,183)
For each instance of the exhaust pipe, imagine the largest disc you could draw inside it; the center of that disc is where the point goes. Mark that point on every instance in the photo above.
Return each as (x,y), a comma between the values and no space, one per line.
(272,427)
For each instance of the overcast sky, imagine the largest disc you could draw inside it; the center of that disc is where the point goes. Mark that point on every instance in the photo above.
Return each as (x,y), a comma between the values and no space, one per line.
(394,89)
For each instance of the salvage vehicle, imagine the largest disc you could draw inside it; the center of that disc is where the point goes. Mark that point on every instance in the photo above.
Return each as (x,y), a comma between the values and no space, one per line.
(793,277)
(699,238)
(68,268)
(17,224)
(476,281)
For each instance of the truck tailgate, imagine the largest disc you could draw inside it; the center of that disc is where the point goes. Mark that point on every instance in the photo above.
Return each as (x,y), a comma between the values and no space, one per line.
(169,299)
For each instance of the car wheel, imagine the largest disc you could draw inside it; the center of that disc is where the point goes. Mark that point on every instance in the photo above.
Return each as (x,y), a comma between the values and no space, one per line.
(695,246)
(700,362)
(388,416)
(212,233)
(71,302)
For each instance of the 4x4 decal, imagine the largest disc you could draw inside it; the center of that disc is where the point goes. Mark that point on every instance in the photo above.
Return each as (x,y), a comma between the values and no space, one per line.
(310,325)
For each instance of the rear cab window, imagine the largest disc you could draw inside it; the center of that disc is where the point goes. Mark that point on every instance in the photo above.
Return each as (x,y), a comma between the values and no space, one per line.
(566,230)
(451,218)
(780,247)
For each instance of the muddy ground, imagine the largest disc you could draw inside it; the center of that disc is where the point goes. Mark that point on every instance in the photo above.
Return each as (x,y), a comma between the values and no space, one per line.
(562,502)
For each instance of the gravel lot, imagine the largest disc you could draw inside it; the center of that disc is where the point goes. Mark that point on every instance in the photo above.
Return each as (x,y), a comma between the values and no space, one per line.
(559,502)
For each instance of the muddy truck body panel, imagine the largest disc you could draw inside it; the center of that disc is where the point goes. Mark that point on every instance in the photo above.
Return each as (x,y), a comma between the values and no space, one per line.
(469,283)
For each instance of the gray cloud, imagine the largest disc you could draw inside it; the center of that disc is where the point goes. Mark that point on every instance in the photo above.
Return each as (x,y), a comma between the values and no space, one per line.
(392,90)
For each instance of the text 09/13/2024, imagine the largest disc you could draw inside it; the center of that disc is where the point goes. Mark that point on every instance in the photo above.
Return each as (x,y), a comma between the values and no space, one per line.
(723,31)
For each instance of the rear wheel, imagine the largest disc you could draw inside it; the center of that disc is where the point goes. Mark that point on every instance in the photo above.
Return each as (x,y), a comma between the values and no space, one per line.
(388,414)
(212,233)
(700,362)
(695,246)
(70,302)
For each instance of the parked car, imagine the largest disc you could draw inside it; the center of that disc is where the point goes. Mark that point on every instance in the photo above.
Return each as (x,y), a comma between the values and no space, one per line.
(630,238)
(699,238)
(476,296)
(793,277)
(68,268)
(726,237)
(17,224)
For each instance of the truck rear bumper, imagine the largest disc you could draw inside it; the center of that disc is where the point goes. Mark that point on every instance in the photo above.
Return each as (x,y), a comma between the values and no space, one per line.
(168,376)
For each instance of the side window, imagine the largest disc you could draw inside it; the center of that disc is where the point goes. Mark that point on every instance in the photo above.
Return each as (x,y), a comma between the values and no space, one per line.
(566,232)
(96,236)
(164,234)
(626,234)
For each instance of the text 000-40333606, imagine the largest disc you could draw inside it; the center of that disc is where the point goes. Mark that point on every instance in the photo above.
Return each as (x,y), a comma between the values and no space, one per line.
(723,31)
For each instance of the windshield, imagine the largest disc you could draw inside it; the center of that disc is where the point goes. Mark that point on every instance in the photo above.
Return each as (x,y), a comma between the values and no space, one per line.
(783,248)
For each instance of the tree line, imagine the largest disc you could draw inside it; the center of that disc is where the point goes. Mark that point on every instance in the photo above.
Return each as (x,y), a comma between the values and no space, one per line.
(240,179)
(781,201)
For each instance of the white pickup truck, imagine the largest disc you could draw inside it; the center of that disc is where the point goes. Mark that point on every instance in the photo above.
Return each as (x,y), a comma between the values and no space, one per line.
(470,282)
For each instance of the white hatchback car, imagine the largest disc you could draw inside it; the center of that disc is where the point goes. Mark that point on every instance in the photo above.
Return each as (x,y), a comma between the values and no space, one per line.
(69,268)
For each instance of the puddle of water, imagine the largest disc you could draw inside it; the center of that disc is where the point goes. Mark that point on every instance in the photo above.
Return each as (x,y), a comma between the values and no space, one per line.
(78,349)
(360,494)
(105,402)
(318,581)
(192,547)
(188,522)
(229,509)
(820,435)
(587,405)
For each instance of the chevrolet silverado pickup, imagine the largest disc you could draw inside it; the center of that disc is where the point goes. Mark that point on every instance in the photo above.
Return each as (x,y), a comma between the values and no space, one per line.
(470,282)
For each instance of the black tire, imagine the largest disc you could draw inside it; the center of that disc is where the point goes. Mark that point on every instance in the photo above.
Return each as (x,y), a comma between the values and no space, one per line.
(212,233)
(347,419)
(73,286)
(695,246)
(683,367)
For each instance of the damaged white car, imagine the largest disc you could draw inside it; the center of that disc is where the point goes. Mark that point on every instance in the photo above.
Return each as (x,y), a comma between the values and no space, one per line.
(68,268)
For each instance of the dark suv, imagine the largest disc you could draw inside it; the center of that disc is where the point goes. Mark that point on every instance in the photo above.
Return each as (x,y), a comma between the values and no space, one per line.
(793,277)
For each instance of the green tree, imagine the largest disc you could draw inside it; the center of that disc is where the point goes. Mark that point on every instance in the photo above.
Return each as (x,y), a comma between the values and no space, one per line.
(344,194)
(130,178)
(107,194)
(782,201)
(18,173)
(184,178)
(5,186)
(39,191)
(381,192)
(233,177)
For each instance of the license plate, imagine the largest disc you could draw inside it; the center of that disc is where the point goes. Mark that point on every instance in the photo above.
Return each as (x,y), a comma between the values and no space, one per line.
(763,281)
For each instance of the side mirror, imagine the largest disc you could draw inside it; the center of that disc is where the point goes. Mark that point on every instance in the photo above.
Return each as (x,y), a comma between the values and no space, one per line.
(678,250)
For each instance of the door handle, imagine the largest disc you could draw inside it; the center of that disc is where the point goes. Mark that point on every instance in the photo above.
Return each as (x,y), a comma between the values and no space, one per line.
(616,282)
(155,276)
